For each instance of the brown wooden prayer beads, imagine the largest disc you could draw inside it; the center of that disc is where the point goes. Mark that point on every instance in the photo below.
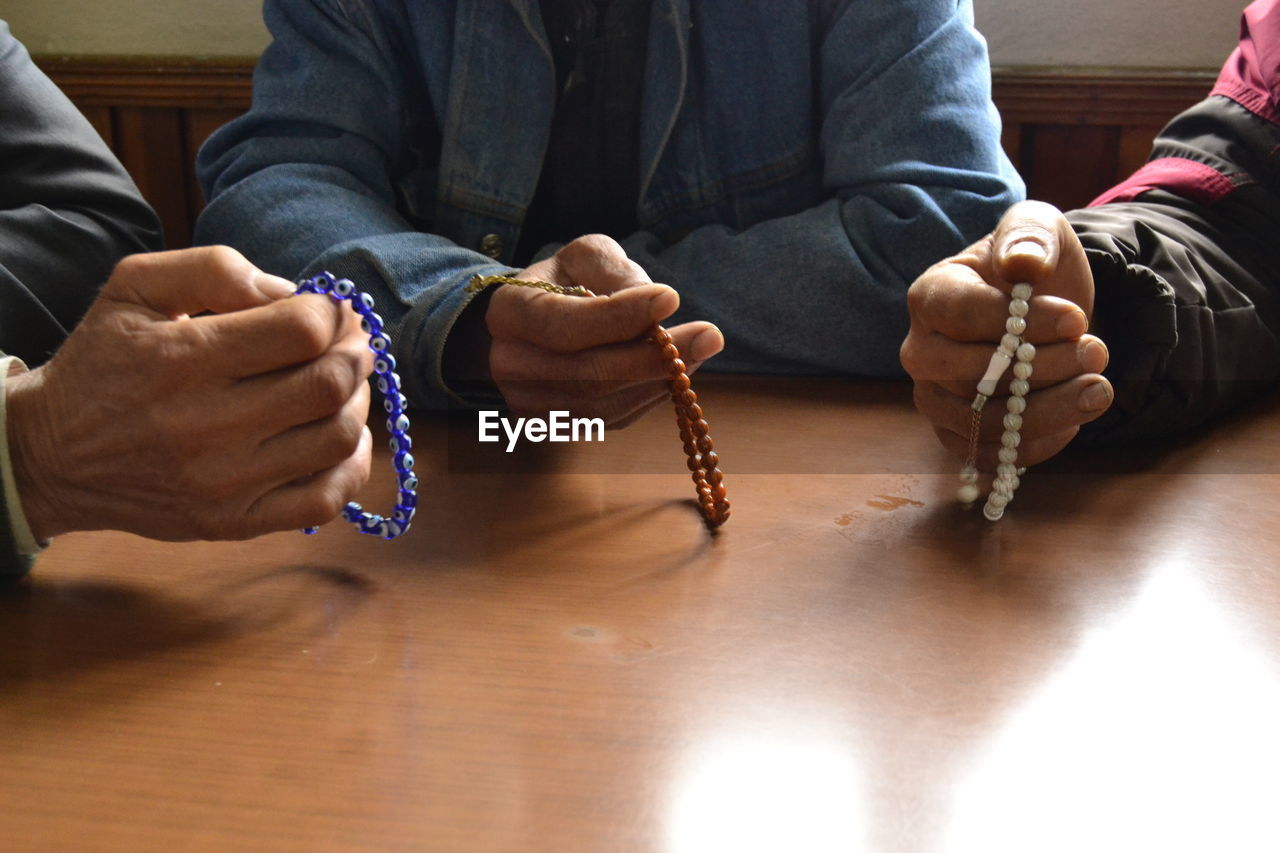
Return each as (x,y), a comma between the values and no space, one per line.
(703,461)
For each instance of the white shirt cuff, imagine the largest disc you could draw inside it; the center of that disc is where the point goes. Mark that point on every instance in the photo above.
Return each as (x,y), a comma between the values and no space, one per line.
(22,537)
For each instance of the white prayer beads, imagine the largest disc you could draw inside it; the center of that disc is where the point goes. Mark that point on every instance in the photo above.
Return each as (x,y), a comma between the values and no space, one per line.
(1016,351)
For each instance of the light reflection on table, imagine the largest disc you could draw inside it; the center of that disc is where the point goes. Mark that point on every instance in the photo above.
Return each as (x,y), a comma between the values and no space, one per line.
(766,790)
(1158,732)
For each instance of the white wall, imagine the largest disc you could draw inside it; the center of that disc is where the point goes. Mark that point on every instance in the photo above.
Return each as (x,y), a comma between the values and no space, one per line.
(1141,33)
(209,28)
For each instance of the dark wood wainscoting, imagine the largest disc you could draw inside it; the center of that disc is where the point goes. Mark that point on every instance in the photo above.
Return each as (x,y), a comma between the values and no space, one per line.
(155,117)
(1071,134)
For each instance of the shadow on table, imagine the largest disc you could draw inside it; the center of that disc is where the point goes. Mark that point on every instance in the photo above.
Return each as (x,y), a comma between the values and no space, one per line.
(53,627)
(513,520)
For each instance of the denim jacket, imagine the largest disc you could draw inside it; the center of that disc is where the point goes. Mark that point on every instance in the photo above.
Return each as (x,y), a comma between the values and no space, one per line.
(801,163)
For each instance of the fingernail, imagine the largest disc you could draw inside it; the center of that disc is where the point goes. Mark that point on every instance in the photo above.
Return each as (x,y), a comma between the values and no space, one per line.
(1093,357)
(276,287)
(663,303)
(1027,249)
(706,344)
(1096,397)
(1072,325)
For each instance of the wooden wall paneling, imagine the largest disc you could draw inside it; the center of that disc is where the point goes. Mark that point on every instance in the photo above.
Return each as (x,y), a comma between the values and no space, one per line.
(1117,97)
(1135,148)
(1079,133)
(150,144)
(142,82)
(154,133)
(1070,164)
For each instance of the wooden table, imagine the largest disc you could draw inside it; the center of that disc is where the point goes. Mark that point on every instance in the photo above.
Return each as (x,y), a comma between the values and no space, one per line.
(560,658)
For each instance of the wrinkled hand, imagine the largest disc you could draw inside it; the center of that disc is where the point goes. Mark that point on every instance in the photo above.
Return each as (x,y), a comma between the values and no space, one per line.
(589,356)
(156,421)
(958,312)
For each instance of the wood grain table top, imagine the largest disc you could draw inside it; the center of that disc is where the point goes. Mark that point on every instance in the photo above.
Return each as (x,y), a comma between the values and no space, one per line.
(560,657)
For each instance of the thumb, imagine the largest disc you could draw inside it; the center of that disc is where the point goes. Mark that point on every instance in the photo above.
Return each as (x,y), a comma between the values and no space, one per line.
(1034,243)
(1028,242)
(213,279)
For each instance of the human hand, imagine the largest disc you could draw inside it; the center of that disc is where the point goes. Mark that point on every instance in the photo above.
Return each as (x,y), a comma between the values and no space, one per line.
(958,312)
(588,356)
(156,421)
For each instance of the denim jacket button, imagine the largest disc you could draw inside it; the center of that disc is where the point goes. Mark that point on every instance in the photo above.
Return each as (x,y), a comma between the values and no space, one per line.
(491,245)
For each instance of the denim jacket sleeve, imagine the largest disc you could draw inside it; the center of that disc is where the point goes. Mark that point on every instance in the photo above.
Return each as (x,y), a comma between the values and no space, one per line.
(912,171)
(304,182)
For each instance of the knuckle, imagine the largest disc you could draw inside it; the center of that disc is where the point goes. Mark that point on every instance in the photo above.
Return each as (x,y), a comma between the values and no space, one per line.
(504,362)
(918,294)
(909,355)
(345,436)
(329,384)
(597,243)
(311,322)
(131,265)
(359,361)
(321,503)
(589,245)
(933,302)
(636,271)
(926,302)
(227,264)
(358,354)
(571,250)
(354,356)
(330,499)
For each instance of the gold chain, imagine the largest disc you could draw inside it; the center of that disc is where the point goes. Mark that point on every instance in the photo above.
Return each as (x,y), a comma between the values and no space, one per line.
(480,282)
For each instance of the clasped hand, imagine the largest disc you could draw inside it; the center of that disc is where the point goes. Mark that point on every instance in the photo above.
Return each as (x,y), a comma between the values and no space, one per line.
(588,356)
(958,312)
(194,401)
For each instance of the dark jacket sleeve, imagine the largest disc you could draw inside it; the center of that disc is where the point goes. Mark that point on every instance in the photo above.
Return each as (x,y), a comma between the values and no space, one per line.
(1186,256)
(68,213)
(68,210)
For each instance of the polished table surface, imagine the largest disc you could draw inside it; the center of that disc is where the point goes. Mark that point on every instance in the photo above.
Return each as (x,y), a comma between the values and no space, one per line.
(560,657)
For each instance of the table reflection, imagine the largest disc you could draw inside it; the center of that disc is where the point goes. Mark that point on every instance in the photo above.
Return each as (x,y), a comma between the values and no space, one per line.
(767,791)
(1161,731)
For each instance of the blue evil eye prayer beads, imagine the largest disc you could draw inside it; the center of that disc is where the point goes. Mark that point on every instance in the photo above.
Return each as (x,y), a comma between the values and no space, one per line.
(393,402)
